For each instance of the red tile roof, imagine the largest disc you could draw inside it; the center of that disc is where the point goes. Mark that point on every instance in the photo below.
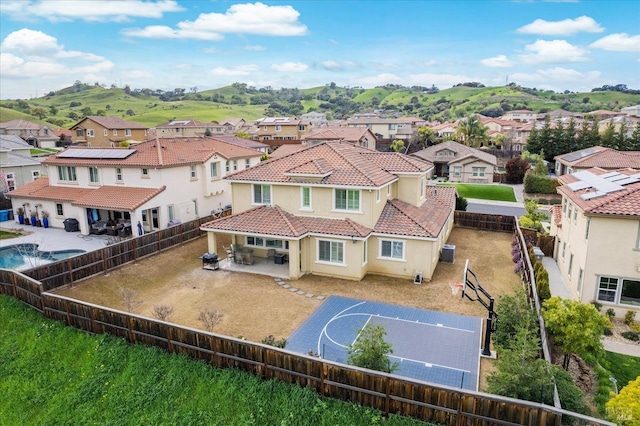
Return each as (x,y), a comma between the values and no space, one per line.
(110,197)
(350,166)
(113,122)
(625,202)
(556,214)
(349,134)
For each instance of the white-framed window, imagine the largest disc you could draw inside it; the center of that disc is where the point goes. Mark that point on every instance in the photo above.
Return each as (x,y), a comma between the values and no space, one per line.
(93,175)
(193,173)
(11,181)
(115,132)
(365,254)
(575,215)
(570,265)
(564,249)
(588,225)
(127,132)
(302,128)
(638,238)
(227,166)
(331,251)
(235,165)
(67,173)
(214,170)
(90,133)
(392,249)
(278,128)
(247,163)
(422,184)
(195,206)
(564,206)
(170,212)
(457,171)
(145,172)
(59,209)
(378,196)
(580,273)
(388,190)
(569,211)
(477,171)
(305,197)
(266,242)
(79,133)
(261,194)
(118,174)
(346,199)
(106,132)
(618,290)
(35,174)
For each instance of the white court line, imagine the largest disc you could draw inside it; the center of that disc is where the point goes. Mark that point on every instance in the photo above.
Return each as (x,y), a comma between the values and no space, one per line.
(428,364)
(324,329)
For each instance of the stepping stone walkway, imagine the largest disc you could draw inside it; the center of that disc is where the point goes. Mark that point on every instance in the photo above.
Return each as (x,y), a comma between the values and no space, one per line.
(295,290)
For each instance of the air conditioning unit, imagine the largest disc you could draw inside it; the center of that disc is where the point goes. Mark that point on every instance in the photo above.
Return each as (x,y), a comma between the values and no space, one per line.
(448,253)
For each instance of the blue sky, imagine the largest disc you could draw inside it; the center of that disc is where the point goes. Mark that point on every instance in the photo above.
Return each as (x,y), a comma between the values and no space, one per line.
(165,44)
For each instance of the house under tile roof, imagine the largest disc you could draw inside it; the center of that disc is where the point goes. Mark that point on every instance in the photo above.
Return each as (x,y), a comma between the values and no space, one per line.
(347,134)
(350,166)
(601,192)
(461,152)
(109,122)
(598,156)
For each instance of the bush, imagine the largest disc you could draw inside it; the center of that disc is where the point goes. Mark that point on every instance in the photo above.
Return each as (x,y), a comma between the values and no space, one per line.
(536,184)
(461,203)
(597,305)
(272,341)
(630,317)
(611,314)
(630,335)
(526,222)
(608,332)
(514,313)
(515,170)
(542,285)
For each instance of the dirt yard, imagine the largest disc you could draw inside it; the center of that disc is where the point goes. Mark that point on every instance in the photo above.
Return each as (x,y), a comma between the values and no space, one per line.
(255,306)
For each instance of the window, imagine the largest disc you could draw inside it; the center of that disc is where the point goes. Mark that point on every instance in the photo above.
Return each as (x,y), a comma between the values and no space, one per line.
(247,163)
(392,126)
(305,197)
(392,249)
(67,173)
(477,171)
(564,206)
(11,181)
(586,229)
(214,170)
(378,196)
(266,242)
(580,273)
(106,132)
(90,133)
(331,251)
(93,175)
(638,239)
(278,128)
(630,294)
(347,199)
(59,210)
(170,211)
(118,174)
(115,132)
(235,165)
(388,190)
(457,171)
(79,133)
(564,248)
(364,252)
(302,128)
(127,132)
(195,206)
(265,128)
(145,172)
(193,173)
(35,174)
(607,289)
(575,215)
(570,265)
(610,290)
(569,211)
(422,183)
(226,166)
(261,194)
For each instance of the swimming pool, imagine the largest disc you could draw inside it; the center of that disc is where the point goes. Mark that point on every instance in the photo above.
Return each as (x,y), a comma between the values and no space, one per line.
(27,256)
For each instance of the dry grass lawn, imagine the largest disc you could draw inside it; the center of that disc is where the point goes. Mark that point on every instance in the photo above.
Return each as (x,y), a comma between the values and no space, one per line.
(255,306)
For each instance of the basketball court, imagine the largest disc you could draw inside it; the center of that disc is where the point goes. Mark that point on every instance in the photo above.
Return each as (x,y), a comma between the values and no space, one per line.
(437,347)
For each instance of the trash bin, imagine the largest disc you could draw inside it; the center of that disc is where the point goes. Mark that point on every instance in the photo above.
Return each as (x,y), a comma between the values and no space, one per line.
(71,225)
(279,258)
(4,215)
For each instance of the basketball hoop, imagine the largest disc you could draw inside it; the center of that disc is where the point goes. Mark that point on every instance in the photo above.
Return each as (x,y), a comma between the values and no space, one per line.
(456,286)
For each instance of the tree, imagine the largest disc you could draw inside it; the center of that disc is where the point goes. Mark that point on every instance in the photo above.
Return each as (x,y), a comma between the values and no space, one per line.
(53,110)
(426,136)
(609,136)
(39,112)
(86,111)
(397,145)
(514,313)
(209,317)
(472,132)
(461,203)
(624,408)
(576,327)
(634,141)
(516,168)
(370,350)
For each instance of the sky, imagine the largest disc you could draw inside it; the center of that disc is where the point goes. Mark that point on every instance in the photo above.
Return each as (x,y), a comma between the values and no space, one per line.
(555,45)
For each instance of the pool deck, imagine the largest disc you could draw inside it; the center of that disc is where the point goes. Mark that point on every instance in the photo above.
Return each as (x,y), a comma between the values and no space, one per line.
(53,239)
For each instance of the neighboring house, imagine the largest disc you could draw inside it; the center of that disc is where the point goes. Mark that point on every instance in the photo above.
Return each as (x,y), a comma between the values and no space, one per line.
(187,128)
(317,119)
(359,136)
(17,166)
(596,156)
(631,111)
(603,114)
(383,128)
(34,134)
(597,230)
(340,210)
(246,143)
(234,125)
(521,115)
(157,183)
(281,128)
(616,122)
(445,130)
(558,114)
(107,132)
(64,137)
(460,162)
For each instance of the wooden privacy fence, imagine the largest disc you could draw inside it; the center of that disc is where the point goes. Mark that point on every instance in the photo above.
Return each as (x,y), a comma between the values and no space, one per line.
(485,222)
(386,392)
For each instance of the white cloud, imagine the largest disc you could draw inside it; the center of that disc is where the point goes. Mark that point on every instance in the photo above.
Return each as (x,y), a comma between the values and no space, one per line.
(558,79)
(88,10)
(428,63)
(583,24)
(257,19)
(553,51)
(500,61)
(377,80)
(238,70)
(255,48)
(331,65)
(619,42)
(78,54)
(290,67)
(31,42)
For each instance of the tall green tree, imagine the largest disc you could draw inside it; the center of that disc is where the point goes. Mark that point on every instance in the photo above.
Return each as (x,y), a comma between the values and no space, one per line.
(426,136)
(575,326)
(609,136)
(634,140)
(621,139)
(472,132)
(397,145)
(371,351)
(39,112)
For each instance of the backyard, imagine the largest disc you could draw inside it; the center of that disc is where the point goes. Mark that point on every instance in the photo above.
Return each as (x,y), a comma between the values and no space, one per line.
(484,192)
(254,306)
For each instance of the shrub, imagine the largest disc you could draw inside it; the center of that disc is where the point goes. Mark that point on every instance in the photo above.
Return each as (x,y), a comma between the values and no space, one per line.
(631,335)
(371,351)
(461,203)
(608,332)
(270,340)
(630,317)
(515,170)
(611,314)
(597,305)
(526,222)
(542,285)
(537,184)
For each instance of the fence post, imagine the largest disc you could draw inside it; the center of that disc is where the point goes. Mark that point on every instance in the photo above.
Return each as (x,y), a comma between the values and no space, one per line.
(104,259)
(158,241)
(134,242)
(14,285)
(70,272)
(386,399)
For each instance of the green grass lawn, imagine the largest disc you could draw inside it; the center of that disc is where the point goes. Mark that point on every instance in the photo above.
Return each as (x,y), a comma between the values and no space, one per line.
(484,192)
(53,374)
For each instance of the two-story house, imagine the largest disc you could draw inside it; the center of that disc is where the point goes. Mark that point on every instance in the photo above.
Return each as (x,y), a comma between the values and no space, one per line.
(360,136)
(459,162)
(157,183)
(384,128)
(281,128)
(597,230)
(17,166)
(36,135)
(520,115)
(107,132)
(337,209)
(596,156)
(187,129)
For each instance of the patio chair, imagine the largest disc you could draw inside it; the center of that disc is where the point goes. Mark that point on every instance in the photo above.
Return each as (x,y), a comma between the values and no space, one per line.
(229,254)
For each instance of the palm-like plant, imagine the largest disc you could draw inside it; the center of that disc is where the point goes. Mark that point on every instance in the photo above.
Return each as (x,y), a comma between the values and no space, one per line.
(471,131)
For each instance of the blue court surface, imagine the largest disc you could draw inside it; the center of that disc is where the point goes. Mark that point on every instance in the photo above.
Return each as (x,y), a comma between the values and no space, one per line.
(437,347)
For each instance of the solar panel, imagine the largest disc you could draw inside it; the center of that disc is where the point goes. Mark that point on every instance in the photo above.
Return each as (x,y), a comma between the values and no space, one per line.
(627,180)
(577,186)
(580,154)
(97,153)
(590,195)
(610,175)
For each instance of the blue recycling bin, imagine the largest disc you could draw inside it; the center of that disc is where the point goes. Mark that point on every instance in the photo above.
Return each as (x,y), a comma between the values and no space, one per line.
(4,215)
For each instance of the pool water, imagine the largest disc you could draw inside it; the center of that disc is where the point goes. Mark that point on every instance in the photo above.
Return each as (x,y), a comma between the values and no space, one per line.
(27,256)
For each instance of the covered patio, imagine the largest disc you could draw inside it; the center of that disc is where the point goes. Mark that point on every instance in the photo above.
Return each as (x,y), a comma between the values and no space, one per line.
(260,266)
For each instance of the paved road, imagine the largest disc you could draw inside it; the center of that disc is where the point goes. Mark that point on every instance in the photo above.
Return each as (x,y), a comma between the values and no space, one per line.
(514,210)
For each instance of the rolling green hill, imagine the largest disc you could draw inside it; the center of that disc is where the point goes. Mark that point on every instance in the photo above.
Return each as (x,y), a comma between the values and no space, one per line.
(152,107)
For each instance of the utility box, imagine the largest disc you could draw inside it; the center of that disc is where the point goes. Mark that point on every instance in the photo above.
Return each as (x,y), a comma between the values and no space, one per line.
(279,258)
(538,253)
(71,225)
(448,253)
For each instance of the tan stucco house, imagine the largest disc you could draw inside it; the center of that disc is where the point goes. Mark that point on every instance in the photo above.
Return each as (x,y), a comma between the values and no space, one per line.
(596,156)
(597,230)
(17,166)
(107,132)
(360,136)
(336,209)
(460,163)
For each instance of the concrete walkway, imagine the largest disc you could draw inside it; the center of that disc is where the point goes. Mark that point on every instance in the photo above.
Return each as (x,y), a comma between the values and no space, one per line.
(630,349)
(53,239)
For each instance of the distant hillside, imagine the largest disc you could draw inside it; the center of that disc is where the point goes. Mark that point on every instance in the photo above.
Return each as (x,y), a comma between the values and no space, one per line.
(152,107)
